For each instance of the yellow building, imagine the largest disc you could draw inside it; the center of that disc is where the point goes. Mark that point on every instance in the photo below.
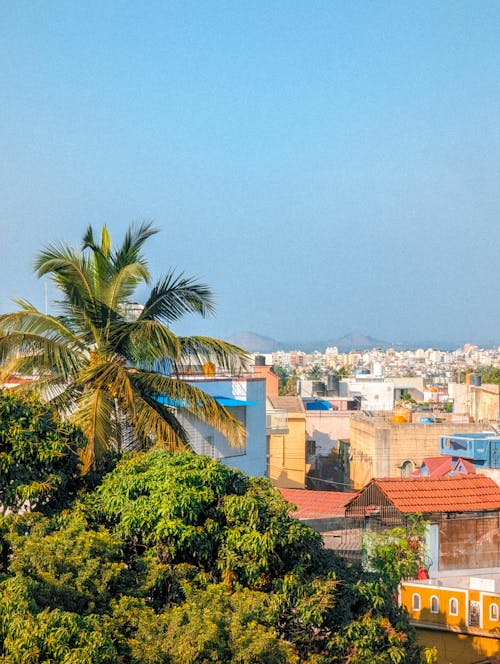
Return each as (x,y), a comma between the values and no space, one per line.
(458,615)
(286,442)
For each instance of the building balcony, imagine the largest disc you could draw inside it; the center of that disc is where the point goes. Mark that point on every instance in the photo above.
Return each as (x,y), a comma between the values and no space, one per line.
(276,422)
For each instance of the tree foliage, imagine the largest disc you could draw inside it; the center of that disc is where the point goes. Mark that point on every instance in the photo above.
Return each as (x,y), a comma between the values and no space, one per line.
(105,366)
(491,375)
(38,455)
(399,552)
(178,559)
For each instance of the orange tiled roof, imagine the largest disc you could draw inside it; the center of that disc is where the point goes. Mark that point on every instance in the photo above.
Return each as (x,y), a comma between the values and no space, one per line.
(443,465)
(317,504)
(464,493)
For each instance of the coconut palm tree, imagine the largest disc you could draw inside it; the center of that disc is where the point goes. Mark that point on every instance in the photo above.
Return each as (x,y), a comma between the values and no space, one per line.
(105,362)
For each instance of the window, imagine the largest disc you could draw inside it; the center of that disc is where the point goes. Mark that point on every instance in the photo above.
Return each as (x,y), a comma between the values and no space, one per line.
(453,607)
(310,447)
(407,468)
(415,602)
(494,612)
(474,613)
(434,604)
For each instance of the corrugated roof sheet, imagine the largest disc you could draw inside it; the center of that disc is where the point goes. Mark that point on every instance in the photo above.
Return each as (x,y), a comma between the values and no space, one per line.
(317,504)
(464,493)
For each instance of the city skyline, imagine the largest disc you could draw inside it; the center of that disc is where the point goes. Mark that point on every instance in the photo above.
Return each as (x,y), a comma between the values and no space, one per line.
(324,168)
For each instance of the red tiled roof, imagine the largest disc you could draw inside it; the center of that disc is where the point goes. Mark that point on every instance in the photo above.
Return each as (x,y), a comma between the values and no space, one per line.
(469,467)
(316,504)
(443,465)
(436,466)
(463,493)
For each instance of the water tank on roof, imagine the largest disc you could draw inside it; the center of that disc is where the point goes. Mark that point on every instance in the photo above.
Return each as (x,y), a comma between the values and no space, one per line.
(318,388)
(401,414)
(260,361)
(475,379)
(333,385)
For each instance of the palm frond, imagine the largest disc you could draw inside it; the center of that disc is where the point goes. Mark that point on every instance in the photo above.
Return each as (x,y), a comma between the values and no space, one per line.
(206,349)
(146,343)
(102,369)
(129,252)
(125,282)
(156,424)
(70,271)
(94,415)
(176,295)
(194,401)
(22,353)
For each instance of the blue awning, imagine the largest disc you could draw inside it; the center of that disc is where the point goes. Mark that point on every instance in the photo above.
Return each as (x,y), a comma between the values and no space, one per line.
(228,402)
(167,401)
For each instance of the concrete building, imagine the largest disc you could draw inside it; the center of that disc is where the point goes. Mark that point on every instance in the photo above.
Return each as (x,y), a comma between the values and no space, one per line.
(245,397)
(481,450)
(373,394)
(286,441)
(480,402)
(380,447)
(458,614)
(463,514)
(263,370)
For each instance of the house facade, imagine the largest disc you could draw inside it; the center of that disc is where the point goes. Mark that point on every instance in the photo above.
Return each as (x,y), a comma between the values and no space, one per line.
(380,447)
(457,615)
(244,397)
(456,609)
(286,441)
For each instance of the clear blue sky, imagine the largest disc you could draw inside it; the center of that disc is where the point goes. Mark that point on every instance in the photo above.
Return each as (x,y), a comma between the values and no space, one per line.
(324,166)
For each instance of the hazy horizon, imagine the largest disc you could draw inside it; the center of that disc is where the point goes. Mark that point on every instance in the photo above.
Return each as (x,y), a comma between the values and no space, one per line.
(325,167)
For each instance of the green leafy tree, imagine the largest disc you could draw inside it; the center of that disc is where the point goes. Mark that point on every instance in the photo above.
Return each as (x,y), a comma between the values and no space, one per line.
(398,553)
(407,398)
(315,372)
(177,559)
(39,463)
(104,367)
(343,372)
(491,375)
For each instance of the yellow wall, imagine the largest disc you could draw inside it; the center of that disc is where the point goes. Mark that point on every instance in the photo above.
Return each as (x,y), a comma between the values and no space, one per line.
(444,595)
(453,645)
(457,648)
(287,454)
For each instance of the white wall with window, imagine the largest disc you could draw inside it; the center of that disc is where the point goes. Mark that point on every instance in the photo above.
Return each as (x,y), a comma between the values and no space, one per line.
(248,403)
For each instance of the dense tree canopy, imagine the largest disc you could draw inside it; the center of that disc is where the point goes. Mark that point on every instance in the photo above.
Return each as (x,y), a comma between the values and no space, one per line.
(178,559)
(39,463)
(103,361)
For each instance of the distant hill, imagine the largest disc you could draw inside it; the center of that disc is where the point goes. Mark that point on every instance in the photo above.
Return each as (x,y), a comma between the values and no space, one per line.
(257,343)
(357,341)
(254,343)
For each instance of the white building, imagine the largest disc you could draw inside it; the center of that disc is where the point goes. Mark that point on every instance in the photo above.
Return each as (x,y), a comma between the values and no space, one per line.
(246,399)
(372,394)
